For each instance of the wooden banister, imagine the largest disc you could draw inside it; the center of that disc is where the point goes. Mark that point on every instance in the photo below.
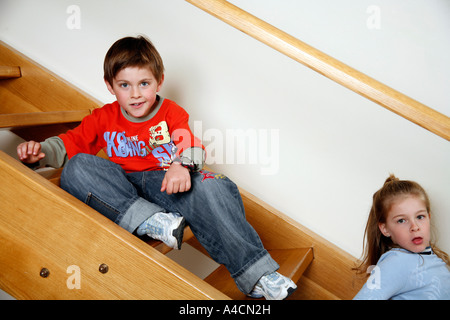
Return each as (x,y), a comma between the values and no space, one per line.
(7,72)
(41,118)
(362,84)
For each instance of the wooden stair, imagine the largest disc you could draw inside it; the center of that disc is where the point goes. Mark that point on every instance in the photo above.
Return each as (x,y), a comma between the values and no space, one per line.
(9,72)
(293,262)
(41,118)
(321,270)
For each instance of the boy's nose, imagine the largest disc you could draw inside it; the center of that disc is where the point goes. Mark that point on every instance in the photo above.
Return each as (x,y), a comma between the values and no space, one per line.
(135,92)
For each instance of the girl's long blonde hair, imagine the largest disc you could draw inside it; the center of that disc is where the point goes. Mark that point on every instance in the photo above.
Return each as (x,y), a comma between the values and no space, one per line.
(375,243)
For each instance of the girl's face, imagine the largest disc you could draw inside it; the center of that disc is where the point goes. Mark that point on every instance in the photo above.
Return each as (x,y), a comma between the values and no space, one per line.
(408,224)
(135,89)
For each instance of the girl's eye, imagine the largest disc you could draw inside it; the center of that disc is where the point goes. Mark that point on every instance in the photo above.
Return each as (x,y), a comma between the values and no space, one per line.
(420,217)
(401,221)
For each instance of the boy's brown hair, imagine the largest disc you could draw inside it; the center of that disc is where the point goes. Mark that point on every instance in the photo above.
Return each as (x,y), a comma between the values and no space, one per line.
(132,52)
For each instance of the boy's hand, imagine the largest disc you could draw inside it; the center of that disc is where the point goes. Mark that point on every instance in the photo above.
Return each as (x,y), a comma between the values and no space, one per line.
(177,179)
(30,152)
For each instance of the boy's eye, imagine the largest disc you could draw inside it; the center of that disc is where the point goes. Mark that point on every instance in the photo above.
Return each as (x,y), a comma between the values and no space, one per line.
(401,220)
(144,84)
(123,85)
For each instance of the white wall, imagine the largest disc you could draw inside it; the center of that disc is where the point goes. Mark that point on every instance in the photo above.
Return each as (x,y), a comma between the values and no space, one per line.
(335,148)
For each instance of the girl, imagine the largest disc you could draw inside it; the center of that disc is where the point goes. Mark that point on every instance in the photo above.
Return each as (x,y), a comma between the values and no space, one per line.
(404,264)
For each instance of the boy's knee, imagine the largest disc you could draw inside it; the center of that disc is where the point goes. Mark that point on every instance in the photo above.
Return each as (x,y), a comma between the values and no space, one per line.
(75,169)
(214,182)
(77,161)
(83,162)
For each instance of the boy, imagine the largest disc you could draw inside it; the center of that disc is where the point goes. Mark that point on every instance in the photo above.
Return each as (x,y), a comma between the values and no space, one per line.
(153,183)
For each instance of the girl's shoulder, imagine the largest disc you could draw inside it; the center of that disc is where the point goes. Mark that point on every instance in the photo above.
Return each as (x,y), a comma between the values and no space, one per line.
(399,256)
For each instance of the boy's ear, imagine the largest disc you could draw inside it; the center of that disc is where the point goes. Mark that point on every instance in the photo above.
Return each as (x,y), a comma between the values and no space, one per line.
(384,231)
(160,83)
(110,88)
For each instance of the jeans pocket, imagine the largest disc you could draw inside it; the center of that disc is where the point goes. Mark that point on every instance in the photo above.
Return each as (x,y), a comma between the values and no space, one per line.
(105,209)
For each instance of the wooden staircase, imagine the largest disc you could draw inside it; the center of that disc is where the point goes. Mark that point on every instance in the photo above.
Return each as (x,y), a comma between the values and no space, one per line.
(35,252)
(293,262)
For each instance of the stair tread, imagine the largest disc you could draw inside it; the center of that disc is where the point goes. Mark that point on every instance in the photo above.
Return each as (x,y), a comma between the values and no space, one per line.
(164,248)
(9,72)
(293,262)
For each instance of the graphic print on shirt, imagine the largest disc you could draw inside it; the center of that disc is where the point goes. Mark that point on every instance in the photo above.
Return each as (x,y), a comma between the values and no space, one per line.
(159,134)
(159,144)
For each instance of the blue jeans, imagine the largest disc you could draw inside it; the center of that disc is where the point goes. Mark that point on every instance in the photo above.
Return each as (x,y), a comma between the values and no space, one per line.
(212,207)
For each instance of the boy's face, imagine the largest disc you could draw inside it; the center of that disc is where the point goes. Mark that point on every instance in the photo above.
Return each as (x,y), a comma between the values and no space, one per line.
(135,89)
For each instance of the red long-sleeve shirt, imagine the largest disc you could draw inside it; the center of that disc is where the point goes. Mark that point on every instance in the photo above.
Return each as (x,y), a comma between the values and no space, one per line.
(135,144)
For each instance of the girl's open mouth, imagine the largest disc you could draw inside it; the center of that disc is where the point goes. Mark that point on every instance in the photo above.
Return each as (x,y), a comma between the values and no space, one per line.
(417,240)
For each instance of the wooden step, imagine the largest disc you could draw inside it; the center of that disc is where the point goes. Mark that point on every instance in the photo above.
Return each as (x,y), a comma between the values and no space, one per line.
(293,262)
(9,72)
(42,118)
(161,247)
(52,175)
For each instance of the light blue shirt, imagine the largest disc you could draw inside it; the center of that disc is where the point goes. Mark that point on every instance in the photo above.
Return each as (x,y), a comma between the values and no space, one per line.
(404,275)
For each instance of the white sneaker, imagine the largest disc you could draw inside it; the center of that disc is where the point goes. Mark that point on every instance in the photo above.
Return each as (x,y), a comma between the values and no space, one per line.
(166,227)
(273,286)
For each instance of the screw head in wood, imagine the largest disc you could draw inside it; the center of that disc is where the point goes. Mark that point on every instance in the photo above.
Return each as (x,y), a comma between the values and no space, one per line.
(103,268)
(44,273)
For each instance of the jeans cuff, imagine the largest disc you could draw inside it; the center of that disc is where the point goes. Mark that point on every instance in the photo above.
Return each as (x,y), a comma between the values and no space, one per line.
(247,280)
(137,213)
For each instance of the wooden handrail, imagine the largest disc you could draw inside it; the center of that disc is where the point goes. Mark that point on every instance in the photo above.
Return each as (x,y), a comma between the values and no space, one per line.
(362,84)
(7,72)
(41,118)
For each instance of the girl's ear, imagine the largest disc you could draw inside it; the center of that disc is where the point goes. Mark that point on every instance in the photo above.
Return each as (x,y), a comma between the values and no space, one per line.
(384,231)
